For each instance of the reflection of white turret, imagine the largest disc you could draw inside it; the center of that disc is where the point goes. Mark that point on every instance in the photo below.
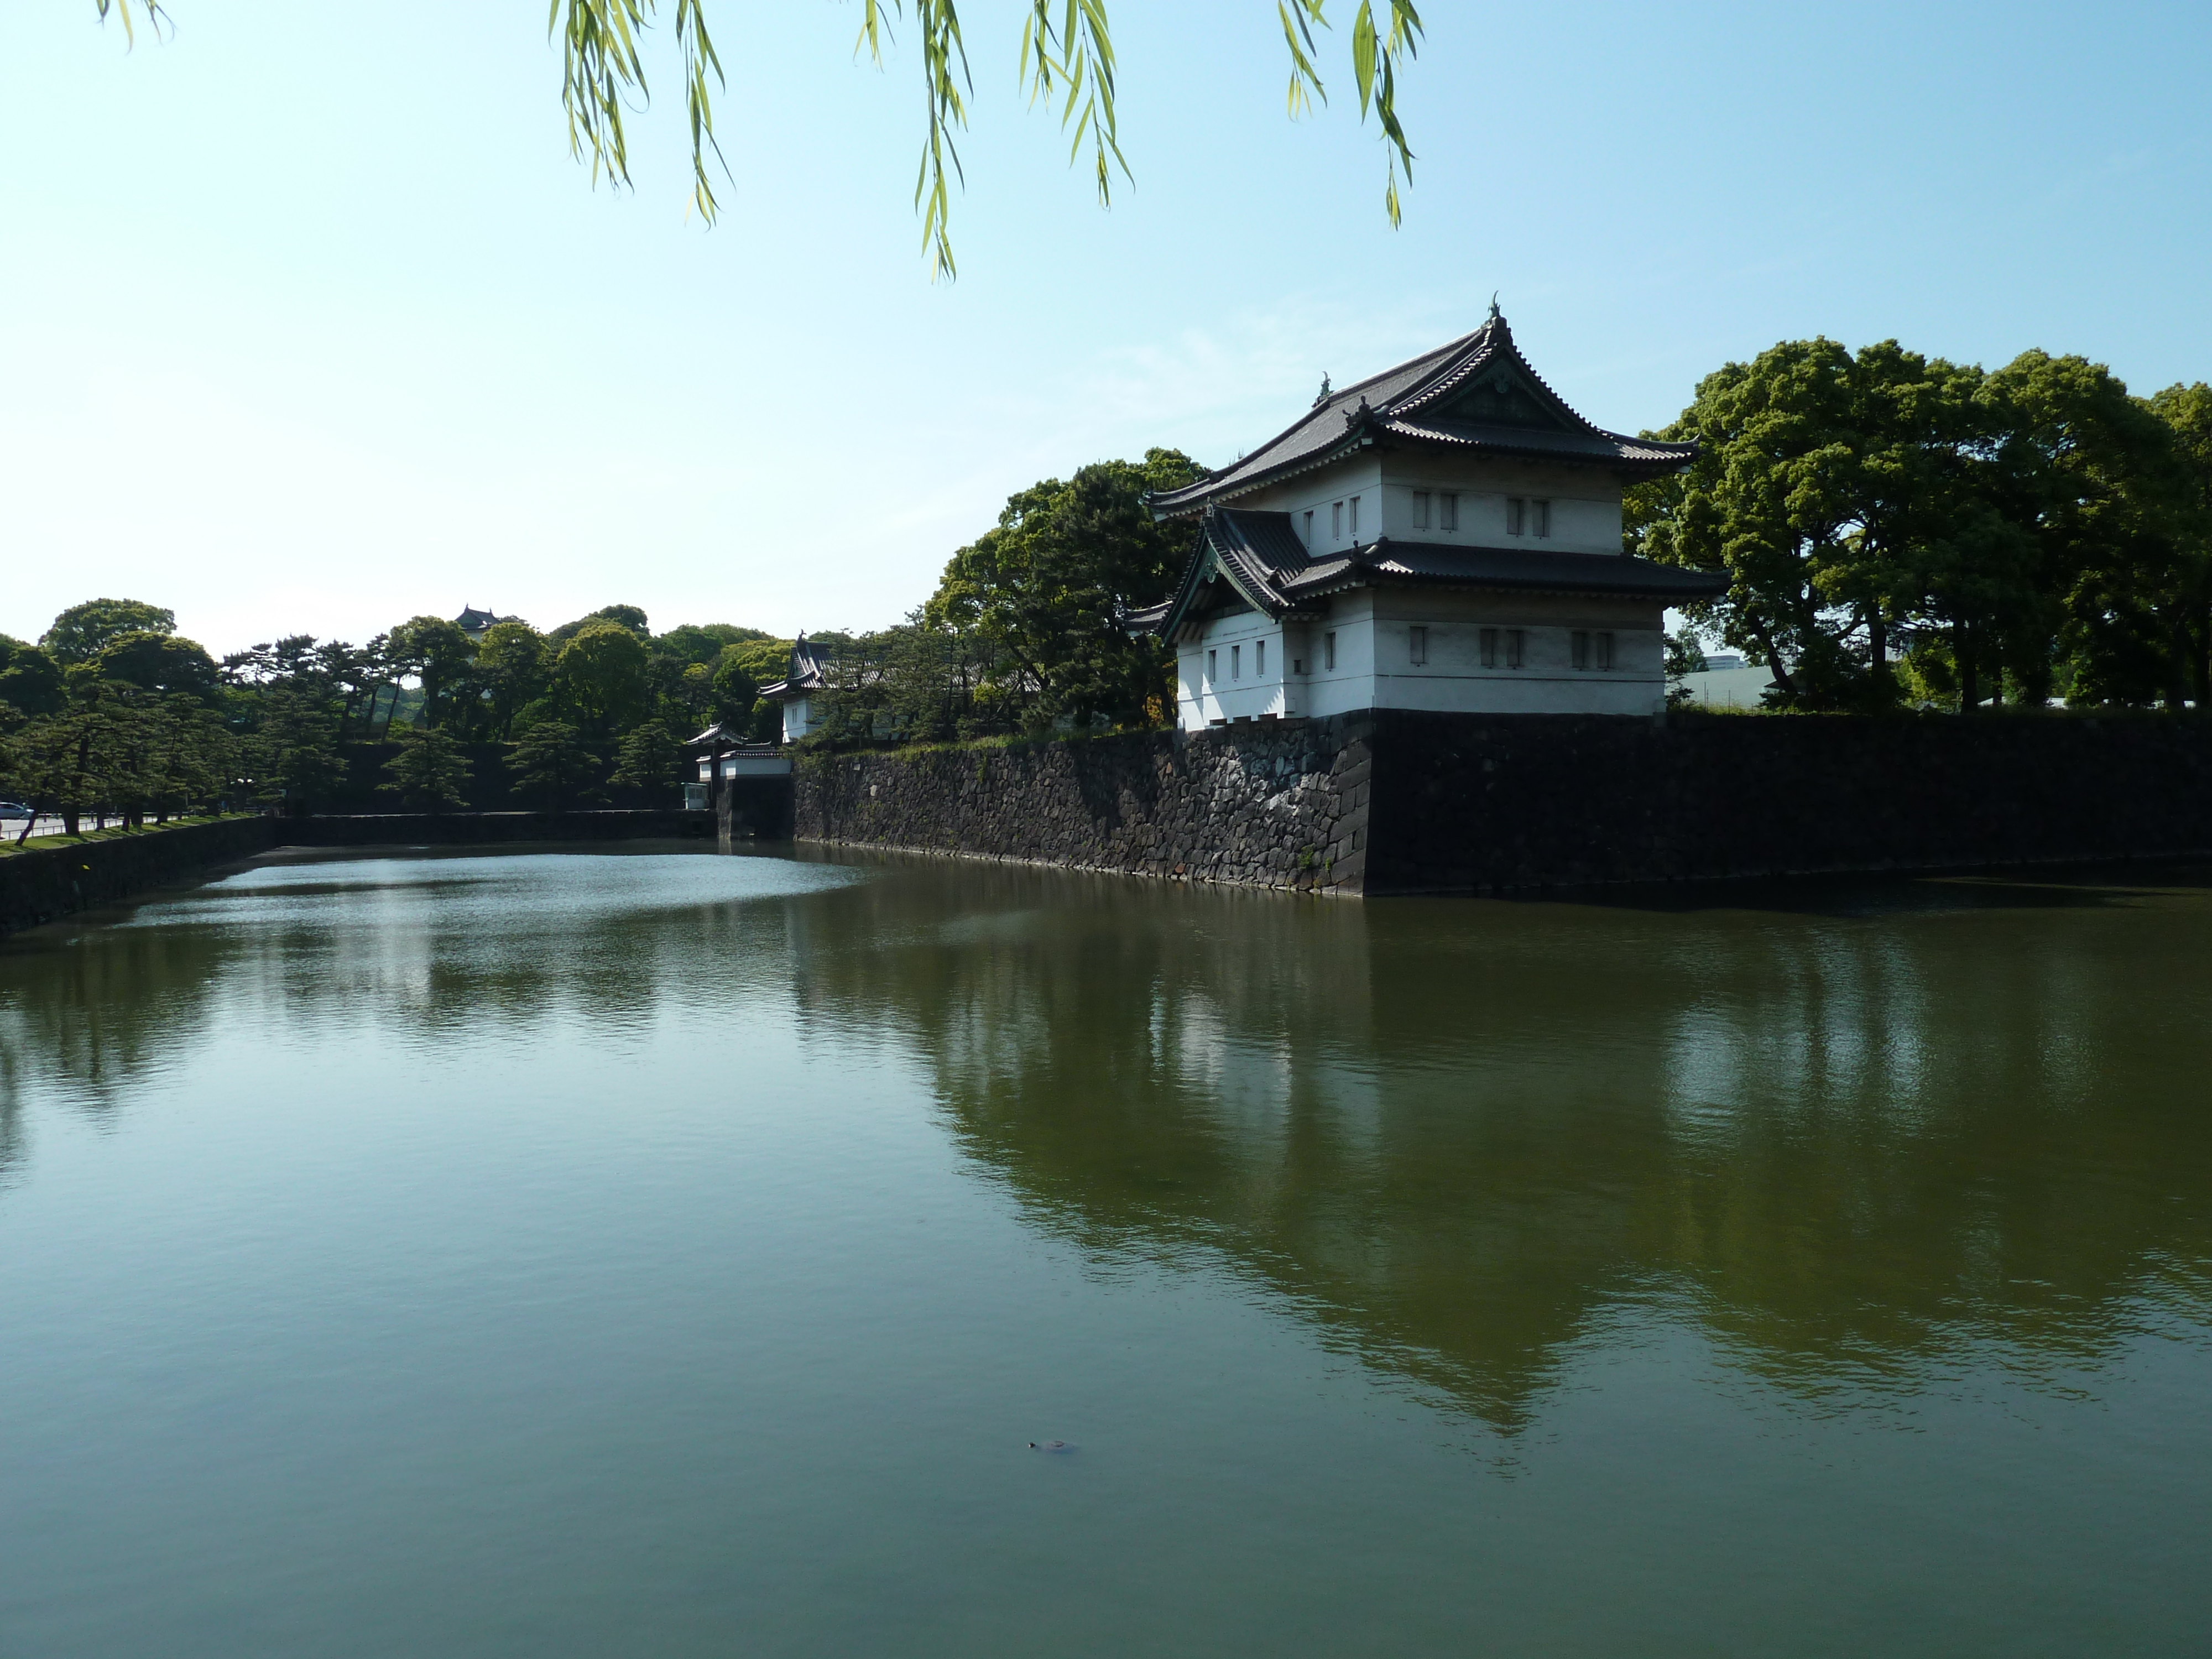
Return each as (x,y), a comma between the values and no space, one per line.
(798,689)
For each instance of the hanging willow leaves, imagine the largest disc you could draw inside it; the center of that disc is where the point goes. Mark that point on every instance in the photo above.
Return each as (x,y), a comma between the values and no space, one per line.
(1067,59)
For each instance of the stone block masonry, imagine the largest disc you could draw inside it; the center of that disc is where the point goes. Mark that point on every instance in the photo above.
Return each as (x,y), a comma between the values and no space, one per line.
(1269,804)
(1399,802)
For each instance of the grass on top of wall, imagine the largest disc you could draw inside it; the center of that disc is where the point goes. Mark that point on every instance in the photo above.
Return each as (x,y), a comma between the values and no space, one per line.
(57,842)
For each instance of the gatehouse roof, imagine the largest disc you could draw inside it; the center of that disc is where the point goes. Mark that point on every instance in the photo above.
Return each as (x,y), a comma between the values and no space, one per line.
(1476,395)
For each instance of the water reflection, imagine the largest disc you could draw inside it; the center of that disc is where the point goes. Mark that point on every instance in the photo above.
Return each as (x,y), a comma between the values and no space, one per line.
(1858,1142)
(1854,1148)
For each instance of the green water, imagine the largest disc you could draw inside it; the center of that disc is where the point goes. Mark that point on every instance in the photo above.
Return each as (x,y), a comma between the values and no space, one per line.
(658,1253)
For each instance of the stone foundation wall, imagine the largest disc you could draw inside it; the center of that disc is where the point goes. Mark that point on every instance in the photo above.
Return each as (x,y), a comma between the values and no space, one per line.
(1276,805)
(44,883)
(1396,802)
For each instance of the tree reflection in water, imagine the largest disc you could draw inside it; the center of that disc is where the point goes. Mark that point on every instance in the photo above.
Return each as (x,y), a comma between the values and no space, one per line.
(1858,1138)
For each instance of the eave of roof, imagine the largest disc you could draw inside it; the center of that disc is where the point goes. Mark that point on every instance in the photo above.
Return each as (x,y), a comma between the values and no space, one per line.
(1259,556)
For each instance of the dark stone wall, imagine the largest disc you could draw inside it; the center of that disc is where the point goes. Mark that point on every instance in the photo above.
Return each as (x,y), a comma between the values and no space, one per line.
(1498,803)
(1401,802)
(44,883)
(483,828)
(1270,804)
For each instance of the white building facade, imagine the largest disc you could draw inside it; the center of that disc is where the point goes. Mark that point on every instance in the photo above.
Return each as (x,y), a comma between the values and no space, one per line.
(1443,536)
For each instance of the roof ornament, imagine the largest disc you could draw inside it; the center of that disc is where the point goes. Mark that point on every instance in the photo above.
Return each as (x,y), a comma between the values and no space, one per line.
(1493,306)
(1354,416)
(1324,394)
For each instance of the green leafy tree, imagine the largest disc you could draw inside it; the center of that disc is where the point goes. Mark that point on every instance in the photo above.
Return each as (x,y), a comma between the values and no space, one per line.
(30,679)
(159,662)
(2104,498)
(552,762)
(649,756)
(511,668)
(623,616)
(1049,587)
(442,658)
(2187,412)
(295,761)
(600,678)
(1843,496)
(81,632)
(429,772)
(1067,57)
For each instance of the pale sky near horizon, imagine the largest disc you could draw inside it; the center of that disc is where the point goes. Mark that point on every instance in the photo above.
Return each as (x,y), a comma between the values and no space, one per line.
(312,324)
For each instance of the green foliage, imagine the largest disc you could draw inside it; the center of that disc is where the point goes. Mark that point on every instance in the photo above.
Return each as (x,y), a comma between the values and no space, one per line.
(1067,57)
(600,678)
(82,630)
(512,671)
(295,751)
(2036,520)
(159,662)
(441,658)
(703,642)
(552,762)
(429,772)
(624,616)
(1046,590)
(649,756)
(30,679)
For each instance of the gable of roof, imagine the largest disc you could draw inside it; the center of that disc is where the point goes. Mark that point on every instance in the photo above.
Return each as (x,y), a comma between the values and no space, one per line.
(1476,392)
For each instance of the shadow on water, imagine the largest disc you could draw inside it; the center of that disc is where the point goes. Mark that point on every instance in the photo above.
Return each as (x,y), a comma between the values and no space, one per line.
(1852,1144)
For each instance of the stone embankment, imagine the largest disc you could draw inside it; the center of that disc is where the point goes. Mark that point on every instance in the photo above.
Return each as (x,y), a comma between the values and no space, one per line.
(1276,805)
(1392,802)
(47,882)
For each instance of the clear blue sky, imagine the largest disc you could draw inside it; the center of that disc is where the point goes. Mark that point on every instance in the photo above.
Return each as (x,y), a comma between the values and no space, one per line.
(312,324)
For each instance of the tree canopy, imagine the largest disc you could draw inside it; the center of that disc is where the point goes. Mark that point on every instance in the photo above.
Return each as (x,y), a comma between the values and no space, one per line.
(83,630)
(1894,526)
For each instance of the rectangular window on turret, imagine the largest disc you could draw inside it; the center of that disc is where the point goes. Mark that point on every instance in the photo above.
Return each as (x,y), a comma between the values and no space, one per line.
(1212,666)
(1309,533)
(1260,658)
(1336,521)
(1489,641)
(1355,518)
(1580,645)
(1602,644)
(1417,641)
(1329,653)
(1237,662)
(1449,511)
(1517,646)
(1540,518)
(1420,509)
(1516,514)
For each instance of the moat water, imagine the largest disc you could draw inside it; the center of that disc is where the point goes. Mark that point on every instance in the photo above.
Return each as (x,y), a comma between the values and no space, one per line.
(650,1252)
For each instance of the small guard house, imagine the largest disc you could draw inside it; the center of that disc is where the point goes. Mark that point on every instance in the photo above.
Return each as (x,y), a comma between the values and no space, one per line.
(1445,535)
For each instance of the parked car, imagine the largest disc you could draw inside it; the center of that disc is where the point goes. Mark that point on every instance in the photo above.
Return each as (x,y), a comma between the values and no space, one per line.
(15,809)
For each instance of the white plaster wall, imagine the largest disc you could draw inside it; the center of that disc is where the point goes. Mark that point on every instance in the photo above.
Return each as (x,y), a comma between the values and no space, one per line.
(798,719)
(1374,667)
(1230,694)
(1585,501)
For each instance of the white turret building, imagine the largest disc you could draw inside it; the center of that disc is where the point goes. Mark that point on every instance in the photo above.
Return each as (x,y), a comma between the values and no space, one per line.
(1445,535)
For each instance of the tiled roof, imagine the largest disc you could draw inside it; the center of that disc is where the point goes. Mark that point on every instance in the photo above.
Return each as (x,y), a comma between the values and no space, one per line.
(1260,556)
(805,674)
(1477,392)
